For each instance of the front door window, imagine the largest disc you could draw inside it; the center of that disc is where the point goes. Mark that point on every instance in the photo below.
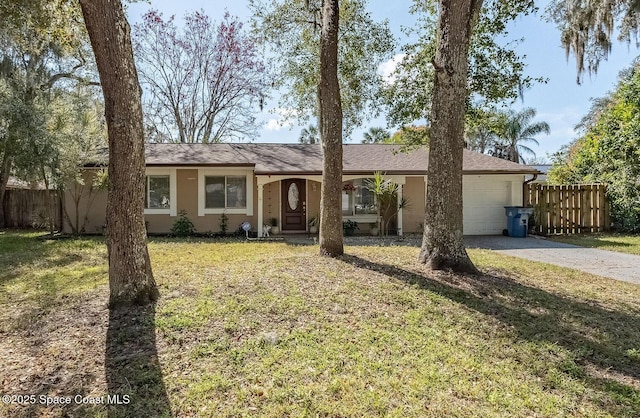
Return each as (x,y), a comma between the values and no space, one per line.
(293,196)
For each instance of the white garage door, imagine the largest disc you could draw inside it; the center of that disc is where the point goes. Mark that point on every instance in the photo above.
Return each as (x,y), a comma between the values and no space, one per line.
(484,199)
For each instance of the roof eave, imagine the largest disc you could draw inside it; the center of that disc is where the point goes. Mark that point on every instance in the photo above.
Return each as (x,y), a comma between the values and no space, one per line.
(485,172)
(200,165)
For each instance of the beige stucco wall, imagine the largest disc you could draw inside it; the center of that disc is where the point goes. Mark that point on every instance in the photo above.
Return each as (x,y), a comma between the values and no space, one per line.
(413,215)
(187,186)
(484,196)
(271,203)
(313,199)
(187,200)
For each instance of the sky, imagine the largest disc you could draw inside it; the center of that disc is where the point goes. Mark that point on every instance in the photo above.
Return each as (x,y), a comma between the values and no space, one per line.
(561,102)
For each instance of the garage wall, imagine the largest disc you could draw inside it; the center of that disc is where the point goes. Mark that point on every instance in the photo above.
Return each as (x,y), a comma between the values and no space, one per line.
(484,199)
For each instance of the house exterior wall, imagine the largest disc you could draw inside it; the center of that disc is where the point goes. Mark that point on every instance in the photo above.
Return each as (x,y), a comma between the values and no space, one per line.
(187,200)
(484,197)
(313,199)
(271,204)
(413,215)
(211,222)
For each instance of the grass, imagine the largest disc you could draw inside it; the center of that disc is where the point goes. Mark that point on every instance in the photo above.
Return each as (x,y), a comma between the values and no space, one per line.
(605,241)
(273,330)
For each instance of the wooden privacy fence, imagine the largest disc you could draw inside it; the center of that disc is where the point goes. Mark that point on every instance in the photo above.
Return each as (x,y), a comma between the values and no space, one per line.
(569,209)
(24,208)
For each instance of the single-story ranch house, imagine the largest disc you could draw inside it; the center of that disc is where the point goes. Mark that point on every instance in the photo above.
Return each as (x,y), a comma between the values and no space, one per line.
(256,182)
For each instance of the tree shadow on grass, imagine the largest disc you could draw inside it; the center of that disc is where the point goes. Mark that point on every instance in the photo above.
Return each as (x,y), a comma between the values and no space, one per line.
(133,372)
(603,342)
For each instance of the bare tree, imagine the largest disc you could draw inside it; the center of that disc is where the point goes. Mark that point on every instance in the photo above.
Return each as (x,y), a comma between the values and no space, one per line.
(202,84)
(130,275)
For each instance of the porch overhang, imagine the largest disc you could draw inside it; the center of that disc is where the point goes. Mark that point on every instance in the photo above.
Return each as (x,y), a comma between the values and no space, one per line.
(265,178)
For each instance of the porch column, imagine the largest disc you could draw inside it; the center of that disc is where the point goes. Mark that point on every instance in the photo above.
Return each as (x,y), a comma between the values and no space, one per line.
(400,187)
(260,207)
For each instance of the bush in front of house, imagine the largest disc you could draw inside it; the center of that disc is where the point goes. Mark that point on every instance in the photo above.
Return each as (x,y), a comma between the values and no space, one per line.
(350,227)
(183,227)
(224,224)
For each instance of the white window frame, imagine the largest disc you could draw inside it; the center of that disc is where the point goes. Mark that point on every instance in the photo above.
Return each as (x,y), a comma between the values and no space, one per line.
(172,210)
(224,172)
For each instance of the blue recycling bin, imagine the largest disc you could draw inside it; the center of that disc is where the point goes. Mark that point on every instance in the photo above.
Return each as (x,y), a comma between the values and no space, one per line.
(518,220)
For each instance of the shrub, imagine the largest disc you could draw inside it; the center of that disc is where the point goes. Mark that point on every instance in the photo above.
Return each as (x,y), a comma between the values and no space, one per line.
(224,223)
(183,227)
(349,227)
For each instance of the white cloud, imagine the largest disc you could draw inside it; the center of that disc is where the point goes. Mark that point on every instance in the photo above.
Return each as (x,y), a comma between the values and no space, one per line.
(273,125)
(283,117)
(387,68)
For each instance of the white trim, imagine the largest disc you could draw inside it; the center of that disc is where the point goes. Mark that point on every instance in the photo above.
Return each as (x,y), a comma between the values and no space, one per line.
(264,179)
(362,218)
(202,173)
(399,215)
(173,187)
(306,204)
(280,204)
(260,209)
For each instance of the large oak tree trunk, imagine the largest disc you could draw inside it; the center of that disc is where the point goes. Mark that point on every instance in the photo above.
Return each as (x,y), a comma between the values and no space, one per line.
(130,276)
(442,242)
(330,123)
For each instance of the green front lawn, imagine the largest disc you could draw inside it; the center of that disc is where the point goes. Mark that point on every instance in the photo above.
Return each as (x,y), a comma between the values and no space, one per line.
(605,241)
(269,329)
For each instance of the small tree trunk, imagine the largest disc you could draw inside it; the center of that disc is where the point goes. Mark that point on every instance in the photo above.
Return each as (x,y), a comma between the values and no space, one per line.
(130,276)
(330,124)
(442,242)
(4,179)
(78,196)
(47,201)
(3,188)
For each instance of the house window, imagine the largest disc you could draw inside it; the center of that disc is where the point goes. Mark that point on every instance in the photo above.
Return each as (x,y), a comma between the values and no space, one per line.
(357,199)
(157,192)
(160,191)
(225,192)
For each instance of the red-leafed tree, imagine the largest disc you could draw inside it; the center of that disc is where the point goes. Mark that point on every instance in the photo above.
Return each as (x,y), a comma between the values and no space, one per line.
(203,82)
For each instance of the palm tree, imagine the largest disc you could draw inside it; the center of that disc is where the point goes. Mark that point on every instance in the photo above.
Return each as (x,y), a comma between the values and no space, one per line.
(375,136)
(309,135)
(516,130)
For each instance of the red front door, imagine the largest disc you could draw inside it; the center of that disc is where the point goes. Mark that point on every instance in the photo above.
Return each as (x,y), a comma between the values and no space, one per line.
(294,205)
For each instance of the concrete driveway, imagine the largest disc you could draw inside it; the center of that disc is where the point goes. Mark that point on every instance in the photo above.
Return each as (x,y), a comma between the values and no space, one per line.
(619,266)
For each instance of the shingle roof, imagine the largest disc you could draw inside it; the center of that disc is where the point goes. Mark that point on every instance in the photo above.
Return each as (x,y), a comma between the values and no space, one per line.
(195,154)
(307,159)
